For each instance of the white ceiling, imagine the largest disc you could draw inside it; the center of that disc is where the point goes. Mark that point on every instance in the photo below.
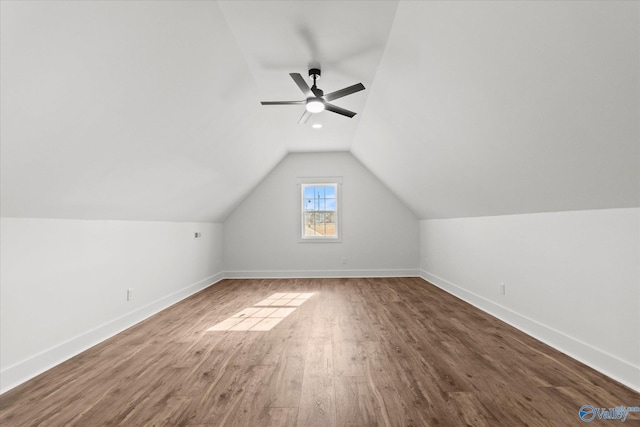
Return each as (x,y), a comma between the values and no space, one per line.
(150,110)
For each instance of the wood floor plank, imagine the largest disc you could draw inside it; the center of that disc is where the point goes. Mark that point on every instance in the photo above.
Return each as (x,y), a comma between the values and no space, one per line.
(135,404)
(382,384)
(356,404)
(349,358)
(267,417)
(225,397)
(319,358)
(317,402)
(360,352)
(472,411)
(284,386)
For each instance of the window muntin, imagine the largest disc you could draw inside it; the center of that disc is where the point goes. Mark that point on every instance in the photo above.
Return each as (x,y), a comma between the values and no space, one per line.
(320,211)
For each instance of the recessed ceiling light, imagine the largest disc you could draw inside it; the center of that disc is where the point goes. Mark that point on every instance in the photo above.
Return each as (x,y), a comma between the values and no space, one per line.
(316,125)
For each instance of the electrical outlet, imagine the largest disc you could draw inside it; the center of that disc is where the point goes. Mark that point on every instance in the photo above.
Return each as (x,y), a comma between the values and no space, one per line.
(502,288)
(129,294)
(197,235)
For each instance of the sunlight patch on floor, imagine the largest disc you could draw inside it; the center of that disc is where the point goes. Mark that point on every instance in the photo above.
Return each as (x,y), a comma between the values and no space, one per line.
(265,314)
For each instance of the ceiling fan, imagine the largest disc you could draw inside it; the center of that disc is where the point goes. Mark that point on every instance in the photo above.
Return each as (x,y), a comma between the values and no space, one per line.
(316,101)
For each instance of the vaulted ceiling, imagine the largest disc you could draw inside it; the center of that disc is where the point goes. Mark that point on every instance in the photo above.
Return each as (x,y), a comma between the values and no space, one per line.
(150,110)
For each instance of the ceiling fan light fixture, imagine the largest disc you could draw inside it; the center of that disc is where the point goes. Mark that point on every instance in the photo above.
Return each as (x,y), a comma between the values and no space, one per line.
(315,105)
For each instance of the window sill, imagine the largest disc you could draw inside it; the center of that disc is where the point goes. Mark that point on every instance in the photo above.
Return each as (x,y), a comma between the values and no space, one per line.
(320,240)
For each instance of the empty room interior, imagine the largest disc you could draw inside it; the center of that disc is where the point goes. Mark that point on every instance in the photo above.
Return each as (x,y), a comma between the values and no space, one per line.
(320,213)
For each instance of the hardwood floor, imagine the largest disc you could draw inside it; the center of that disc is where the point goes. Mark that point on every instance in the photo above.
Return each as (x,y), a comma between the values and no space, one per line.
(360,352)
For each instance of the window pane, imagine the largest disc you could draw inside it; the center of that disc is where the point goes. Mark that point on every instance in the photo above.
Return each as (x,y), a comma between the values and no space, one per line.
(319,192)
(308,218)
(330,229)
(308,193)
(308,204)
(330,192)
(330,205)
(308,232)
(311,205)
(312,230)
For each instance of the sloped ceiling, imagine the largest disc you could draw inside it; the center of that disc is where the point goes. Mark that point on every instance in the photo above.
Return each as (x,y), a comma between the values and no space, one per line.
(136,110)
(489,108)
(148,110)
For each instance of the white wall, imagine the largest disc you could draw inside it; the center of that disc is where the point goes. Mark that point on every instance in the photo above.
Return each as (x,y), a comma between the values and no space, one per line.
(63,283)
(380,234)
(572,278)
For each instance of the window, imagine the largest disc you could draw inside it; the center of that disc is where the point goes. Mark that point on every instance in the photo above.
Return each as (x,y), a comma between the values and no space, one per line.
(320,201)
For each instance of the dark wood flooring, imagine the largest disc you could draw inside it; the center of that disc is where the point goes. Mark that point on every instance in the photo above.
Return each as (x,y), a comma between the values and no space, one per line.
(360,352)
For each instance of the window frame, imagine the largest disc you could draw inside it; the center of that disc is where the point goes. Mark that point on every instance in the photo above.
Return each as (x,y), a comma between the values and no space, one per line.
(303,182)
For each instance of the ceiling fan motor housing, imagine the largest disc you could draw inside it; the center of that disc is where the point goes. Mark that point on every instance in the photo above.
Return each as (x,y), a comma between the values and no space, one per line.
(314,73)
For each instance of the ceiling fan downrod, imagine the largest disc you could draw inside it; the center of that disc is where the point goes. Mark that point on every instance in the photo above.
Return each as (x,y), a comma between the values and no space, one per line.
(314,73)
(315,104)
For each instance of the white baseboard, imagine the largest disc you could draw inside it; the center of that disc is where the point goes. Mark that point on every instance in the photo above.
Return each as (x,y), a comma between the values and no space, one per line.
(14,375)
(303,274)
(608,364)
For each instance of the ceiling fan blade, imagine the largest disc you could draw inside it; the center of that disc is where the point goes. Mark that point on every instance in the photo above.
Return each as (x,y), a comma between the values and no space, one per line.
(336,109)
(304,118)
(344,92)
(304,87)
(282,102)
